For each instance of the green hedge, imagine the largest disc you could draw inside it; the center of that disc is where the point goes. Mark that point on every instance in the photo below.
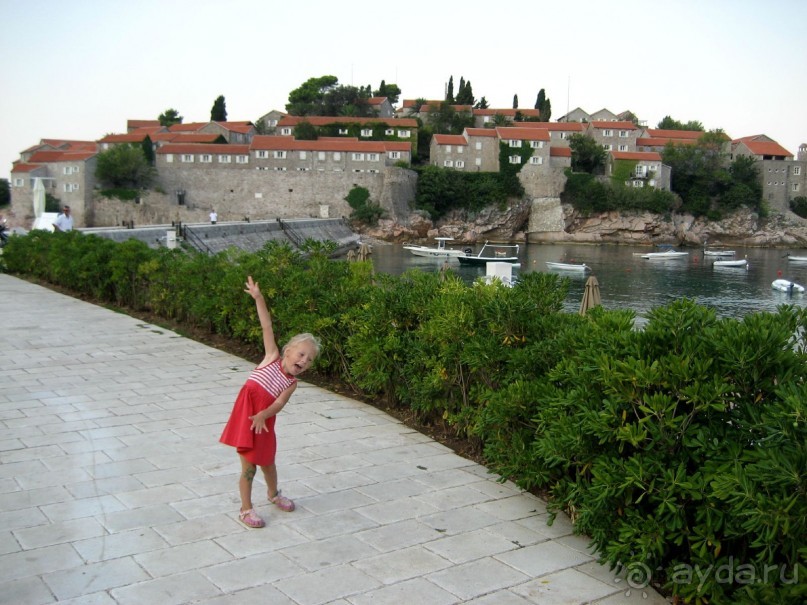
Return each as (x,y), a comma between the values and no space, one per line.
(680,448)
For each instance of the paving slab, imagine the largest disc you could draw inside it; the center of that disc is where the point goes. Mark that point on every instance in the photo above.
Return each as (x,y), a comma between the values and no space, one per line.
(114,489)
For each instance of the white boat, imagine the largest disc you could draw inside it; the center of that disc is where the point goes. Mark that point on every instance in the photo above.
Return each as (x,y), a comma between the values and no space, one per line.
(718,252)
(568,266)
(668,254)
(439,251)
(731,263)
(490,253)
(784,285)
(797,259)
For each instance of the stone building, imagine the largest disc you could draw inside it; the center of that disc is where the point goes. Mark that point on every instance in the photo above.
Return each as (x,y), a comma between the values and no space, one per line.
(647,169)
(782,177)
(614,136)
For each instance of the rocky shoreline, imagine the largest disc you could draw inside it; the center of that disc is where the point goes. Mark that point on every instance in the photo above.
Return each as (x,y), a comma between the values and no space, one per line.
(742,228)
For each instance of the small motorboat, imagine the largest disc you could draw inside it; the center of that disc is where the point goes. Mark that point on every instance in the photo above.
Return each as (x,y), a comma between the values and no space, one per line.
(718,252)
(439,251)
(666,255)
(797,259)
(784,285)
(731,263)
(490,253)
(568,266)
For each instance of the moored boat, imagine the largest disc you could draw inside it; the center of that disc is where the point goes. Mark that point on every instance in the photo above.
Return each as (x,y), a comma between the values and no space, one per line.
(718,252)
(731,263)
(490,253)
(784,285)
(568,266)
(797,259)
(438,251)
(665,255)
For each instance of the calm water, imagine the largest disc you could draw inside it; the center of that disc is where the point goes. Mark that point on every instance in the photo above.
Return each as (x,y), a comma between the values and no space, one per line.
(629,281)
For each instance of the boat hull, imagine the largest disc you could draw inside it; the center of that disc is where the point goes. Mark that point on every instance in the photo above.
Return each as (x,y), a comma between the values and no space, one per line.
(665,255)
(434,252)
(730,263)
(568,266)
(718,253)
(784,285)
(481,261)
(797,259)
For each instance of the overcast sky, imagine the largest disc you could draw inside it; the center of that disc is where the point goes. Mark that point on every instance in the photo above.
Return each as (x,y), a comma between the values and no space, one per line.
(80,69)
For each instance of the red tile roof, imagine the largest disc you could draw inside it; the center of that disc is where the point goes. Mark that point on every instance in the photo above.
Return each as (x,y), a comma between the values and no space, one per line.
(562,152)
(507,112)
(142,124)
(242,127)
(527,134)
(376,100)
(481,132)
(132,137)
(220,148)
(450,139)
(327,120)
(24,167)
(554,126)
(642,141)
(657,133)
(71,145)
(614,125)
(190,126)
(270,142)
(185,137)
(46,157)
(765,148)
(411,102)
(647,156)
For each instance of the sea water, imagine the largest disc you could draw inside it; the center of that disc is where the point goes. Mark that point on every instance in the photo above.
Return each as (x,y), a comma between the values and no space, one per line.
(628,281)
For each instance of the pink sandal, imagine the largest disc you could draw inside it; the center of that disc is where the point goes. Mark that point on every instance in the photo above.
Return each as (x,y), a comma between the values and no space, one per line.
(251,519)
(282,502)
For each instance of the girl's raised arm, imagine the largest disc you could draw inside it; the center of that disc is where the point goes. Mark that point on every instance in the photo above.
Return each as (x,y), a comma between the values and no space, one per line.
(271,350)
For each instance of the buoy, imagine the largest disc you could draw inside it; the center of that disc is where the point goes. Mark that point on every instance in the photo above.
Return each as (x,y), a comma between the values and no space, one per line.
(779,273)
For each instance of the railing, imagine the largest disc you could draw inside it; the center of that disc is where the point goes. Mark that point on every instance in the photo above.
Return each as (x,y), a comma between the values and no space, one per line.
(291,234)
(194,240)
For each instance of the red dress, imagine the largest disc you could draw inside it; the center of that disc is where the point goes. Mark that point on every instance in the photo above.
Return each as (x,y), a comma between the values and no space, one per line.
(261,389)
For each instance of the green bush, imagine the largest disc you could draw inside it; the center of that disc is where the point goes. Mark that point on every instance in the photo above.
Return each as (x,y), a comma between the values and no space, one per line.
(799,206)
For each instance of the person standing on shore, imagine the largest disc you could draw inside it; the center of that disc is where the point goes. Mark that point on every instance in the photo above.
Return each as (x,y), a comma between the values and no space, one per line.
(64,222)
(214,217)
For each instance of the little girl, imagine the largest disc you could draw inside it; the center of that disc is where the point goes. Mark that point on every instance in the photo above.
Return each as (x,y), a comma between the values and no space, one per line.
(251,427)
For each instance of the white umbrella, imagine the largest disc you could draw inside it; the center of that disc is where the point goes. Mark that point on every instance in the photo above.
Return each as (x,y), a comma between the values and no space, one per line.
(591,296)
(39,198)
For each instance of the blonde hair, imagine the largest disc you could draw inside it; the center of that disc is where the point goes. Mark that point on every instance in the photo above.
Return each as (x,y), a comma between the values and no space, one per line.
(303,337)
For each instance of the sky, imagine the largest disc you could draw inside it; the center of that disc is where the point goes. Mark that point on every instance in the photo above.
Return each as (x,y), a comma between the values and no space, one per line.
(80,70)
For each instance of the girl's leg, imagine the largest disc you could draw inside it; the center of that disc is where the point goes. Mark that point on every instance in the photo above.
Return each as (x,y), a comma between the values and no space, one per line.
(274,495)
(245,483)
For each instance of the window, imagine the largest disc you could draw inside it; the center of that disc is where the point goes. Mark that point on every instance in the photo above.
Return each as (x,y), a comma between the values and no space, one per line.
(280,155)
(459,148)
(478,161)
(169,157)
(537,144)
(796,170)
(515,143)
(71,187)
(795,186)
(303,155)
(343,131)
(485,119)
(358,157)
(623,134)
(366,132)
(515,159)
(187,157)
(478,145)
(562,135)
(607,132)
(608,147)
(372,157)
(448,163)
(390,132)
(242,159)
(70,169)
(19,182)
(337,156)
(404,134)
(395,155)
(536,160)
(280,168)
(225,159)
(321,156)
(286,131)
(460,164)
(206,158)
(638,183)
(262,154)
(623,148)
(448,148)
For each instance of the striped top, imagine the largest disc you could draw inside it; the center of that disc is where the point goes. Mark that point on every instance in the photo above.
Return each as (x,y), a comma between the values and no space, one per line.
(272,378)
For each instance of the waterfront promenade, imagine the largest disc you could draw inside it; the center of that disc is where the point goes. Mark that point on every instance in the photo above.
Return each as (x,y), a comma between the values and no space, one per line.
(115,490)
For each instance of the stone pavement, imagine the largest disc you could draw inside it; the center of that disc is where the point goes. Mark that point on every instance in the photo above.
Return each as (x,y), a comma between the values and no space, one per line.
(114,488)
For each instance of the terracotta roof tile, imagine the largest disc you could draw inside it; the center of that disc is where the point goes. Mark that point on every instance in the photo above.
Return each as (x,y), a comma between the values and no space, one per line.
(25,167)
(376,100)
(142,123)
(647,156)
(766,148)
(614,125)
(450,139)
(132,137)
(554,126)
(291,144)
(527,134)
(327,120)
(220,148)
(658,133)
(190,126)
(562,152)
(481,132)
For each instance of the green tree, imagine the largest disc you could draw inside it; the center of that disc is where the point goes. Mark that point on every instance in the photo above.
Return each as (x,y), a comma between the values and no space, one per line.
(500,119)
(307,99)
(306,131)
(465,96)
(587,154)
(5,192)
(450,91)
(668,123)
(629,116)
(540,99)
(261,127)
(148,150)
(482,103)
(391,91)
(123,166)
(515,101)
(218,113)
(364,209)
(543,106)
(346,101)
(170,117)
